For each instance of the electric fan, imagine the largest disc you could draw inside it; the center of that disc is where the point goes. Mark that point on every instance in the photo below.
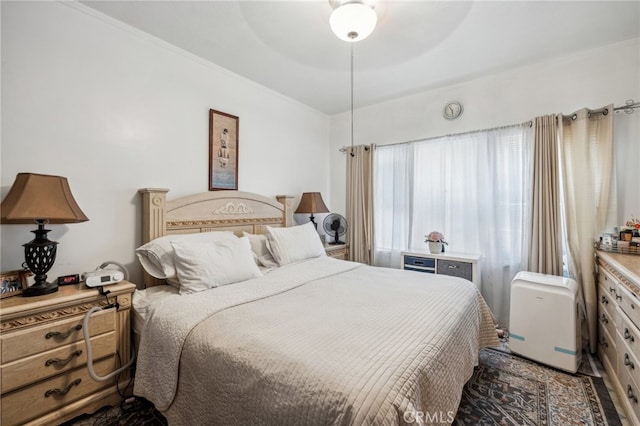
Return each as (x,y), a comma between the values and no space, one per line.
(335,225)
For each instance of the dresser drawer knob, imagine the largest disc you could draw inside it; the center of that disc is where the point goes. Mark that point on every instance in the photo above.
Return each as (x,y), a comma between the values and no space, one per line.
(65,361)
(618,297)
(64,391)
(604,319)
(453,266)
(62,335)
(633,306)
(628,362)
(605,300)
(630,394)
(627,335)
(603,342)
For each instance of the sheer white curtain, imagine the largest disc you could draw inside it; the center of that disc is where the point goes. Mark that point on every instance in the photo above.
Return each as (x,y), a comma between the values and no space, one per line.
(474,188)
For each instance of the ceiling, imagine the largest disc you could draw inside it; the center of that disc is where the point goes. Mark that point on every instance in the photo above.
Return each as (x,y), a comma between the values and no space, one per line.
(417,45)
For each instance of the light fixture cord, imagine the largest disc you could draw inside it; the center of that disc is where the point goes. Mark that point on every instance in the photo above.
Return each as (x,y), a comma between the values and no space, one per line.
(351,45)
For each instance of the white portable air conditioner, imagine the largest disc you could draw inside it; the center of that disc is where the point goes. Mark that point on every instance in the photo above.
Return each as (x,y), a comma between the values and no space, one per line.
(544,323)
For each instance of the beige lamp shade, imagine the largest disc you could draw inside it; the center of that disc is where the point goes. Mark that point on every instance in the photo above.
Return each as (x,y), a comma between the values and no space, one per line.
(311,202)
(40,197)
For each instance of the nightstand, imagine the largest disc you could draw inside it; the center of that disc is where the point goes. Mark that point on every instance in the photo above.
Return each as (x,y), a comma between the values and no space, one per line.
(463,265)
(45,379)
(338,251)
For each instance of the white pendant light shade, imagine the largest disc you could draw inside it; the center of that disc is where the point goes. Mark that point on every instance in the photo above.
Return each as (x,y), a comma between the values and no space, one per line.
(353,21)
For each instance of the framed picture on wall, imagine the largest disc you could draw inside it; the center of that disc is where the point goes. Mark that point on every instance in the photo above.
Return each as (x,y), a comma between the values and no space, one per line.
(223,151)
(13,282)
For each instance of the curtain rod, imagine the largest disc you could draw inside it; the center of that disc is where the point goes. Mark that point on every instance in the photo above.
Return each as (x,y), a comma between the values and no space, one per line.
(526,123)
(628,108)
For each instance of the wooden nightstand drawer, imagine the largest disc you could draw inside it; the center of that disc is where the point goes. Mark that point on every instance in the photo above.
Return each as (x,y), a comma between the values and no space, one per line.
(28,403)
(337,251)
(46,364)
(49,336)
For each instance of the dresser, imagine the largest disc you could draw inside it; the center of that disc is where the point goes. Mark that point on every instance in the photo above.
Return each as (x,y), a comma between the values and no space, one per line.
(463,265)
(619,325)
(338,251)
(43,368)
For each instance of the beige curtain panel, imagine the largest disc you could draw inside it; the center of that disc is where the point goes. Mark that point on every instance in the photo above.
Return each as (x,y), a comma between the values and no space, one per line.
(360,202)
(586,143)
(545,240)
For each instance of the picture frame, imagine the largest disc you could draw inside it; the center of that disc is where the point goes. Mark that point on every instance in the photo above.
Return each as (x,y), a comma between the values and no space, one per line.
(13,282)
(223,151)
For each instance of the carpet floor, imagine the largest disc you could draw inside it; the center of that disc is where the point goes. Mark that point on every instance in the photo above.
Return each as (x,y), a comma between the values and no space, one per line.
(505,390)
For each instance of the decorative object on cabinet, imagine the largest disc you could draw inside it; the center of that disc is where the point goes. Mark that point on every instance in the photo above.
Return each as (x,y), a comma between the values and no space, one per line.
(335,225)
(223,150)
(42,199)
(311,202)
(352,20)
(337,251)
(13,282)
(619,326)
(436,242)
(44,356)
(463,265)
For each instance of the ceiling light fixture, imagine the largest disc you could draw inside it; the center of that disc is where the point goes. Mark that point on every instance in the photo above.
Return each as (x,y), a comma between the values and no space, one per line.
(352,20)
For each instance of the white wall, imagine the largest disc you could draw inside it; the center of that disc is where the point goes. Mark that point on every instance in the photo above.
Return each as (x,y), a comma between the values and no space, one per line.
(592,78)
(115,110)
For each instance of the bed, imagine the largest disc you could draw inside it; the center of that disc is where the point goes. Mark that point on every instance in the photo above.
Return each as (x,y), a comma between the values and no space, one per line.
(309,340)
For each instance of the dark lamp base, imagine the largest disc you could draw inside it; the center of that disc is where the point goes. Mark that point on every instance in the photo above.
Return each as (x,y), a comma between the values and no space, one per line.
(39,290)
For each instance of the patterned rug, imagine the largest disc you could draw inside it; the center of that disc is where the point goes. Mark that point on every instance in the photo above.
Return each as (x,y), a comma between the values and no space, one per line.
(505,390)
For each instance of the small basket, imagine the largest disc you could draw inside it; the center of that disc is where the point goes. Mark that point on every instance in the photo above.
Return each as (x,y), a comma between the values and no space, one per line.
(615,249)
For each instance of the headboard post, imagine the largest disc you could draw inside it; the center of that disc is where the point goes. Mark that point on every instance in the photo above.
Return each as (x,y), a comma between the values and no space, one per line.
(154,201)
(287,201)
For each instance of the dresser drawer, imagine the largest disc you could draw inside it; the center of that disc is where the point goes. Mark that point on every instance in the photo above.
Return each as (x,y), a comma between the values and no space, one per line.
(627,360)
(23,343)
(632,392)
(28,403)
(424,264)
(629,304)
(606,302)
(628,332)
(455,269)
(608,282)
(46,364)
(607,346)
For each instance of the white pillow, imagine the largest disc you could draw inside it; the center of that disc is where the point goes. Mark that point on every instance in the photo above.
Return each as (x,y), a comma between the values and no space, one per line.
(295,243)
(201,266)
(260,250)
(157,256)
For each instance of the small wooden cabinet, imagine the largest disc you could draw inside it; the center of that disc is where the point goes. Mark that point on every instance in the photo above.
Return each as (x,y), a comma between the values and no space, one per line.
(619,326)
(338,251)
(43,362)
(461,265)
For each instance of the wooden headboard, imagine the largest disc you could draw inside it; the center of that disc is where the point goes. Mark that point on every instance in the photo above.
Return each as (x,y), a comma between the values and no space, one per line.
(210,211)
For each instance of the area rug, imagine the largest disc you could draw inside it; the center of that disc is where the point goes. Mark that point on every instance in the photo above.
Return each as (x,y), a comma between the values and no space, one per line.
(505,390)
(509,390)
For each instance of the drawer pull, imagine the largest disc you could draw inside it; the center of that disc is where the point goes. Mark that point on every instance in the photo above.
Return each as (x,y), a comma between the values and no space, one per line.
(628,362)
(604,300)
(633,306)
(62,335)
(612,290)
(418,262)
(630,394)
(64,391)
(604,343)
(65,361)
(604,319)
(627,335)
(618,297)
(453,266)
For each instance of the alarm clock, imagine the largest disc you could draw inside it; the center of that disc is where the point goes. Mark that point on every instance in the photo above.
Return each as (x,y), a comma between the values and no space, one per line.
(452,110)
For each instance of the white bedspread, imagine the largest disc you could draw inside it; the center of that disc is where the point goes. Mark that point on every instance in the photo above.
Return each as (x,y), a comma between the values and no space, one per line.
(318,342)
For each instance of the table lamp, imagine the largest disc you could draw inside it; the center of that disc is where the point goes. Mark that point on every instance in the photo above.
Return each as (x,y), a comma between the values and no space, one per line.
(311,202)
(41,199)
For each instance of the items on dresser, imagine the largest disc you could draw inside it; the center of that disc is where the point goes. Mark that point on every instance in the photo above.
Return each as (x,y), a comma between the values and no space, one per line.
(463,265)
(619,325)
(45,379)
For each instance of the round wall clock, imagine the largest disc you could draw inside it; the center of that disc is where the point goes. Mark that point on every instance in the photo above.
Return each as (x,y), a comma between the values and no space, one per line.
(452,110)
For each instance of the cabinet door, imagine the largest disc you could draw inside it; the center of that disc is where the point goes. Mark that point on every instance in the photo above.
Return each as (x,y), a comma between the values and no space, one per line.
(455,269)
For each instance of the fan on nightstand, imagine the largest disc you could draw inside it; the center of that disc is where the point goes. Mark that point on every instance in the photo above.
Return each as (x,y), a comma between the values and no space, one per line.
(336,225)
